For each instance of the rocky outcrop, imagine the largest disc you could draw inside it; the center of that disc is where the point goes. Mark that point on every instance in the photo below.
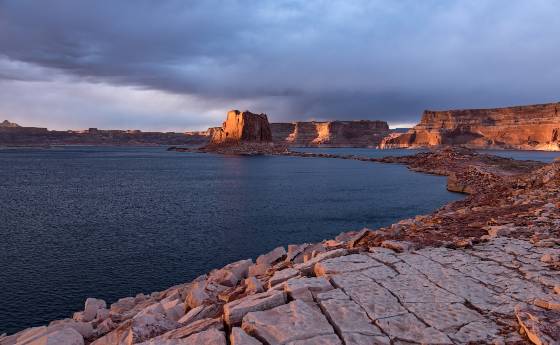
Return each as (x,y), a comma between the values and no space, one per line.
(532,127)
(242,127)
(330,134)
(8,124)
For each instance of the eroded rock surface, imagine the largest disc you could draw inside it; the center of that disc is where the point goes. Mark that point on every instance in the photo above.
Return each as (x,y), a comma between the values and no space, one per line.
(531,127)
(363,133)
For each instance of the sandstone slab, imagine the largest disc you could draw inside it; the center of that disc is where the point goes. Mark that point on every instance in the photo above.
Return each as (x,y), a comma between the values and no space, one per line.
(408,328)
(287,323)
(236,310)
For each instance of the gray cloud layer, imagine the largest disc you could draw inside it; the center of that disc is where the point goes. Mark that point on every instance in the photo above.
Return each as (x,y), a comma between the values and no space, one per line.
(383,59)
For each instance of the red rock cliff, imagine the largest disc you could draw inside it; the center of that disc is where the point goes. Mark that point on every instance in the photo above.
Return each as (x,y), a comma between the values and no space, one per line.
(531,127)
(242,126)
(330,134)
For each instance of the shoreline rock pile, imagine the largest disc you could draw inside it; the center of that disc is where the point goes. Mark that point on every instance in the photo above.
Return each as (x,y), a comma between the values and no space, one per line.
(483,270)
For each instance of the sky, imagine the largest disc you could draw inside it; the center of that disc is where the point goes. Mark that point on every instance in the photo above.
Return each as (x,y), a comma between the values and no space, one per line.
(180,65)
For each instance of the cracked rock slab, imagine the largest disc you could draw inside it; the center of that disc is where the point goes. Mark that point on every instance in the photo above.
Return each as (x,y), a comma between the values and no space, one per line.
(351,323)
(377,301)
(343,264)
(236,310)
(477,332)
(209,337)
(320,340)
(286,323)
(348,317)
(444,316)
(304,288)
(408,328)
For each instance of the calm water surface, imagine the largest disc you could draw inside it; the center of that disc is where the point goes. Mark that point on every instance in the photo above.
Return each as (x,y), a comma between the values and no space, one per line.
(113,222)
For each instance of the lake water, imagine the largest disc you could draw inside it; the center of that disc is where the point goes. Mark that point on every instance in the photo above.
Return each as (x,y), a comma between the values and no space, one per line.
(113,222)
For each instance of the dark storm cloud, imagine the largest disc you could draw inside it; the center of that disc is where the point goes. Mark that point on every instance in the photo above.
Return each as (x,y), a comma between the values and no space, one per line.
(382,59)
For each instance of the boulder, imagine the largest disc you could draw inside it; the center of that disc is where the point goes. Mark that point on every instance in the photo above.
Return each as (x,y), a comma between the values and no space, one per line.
(294,250)
(92,305)
(305,288)
(174,310)
(193,328)
(258,270)
(253,285)
(201,312)
(272,257)
(145,325)
(282,276)
(307,267)
(84,328)
(197,295)
(234,311)
(239,337)
(231,274)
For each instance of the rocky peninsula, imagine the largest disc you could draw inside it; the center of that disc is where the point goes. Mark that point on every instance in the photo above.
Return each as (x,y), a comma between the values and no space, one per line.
(530,127)
(483,270)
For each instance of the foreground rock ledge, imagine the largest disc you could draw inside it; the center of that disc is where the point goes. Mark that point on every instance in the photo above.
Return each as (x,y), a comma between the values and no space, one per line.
(497,281)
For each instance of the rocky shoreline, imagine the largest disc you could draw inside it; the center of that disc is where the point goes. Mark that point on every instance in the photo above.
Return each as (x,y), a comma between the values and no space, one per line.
(483,270)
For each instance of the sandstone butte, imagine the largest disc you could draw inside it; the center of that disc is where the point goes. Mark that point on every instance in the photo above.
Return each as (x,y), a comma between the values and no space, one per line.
(242,127)
(483,270)
(531,127)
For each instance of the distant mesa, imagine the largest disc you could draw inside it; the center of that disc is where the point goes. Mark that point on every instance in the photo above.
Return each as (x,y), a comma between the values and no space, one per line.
(8,124)
(530,127)
(362,133)
(242,127)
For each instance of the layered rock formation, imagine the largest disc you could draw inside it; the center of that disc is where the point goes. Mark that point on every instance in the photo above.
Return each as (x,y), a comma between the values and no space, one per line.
(242,127)
(239,127)
(330,134)
(532,127)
